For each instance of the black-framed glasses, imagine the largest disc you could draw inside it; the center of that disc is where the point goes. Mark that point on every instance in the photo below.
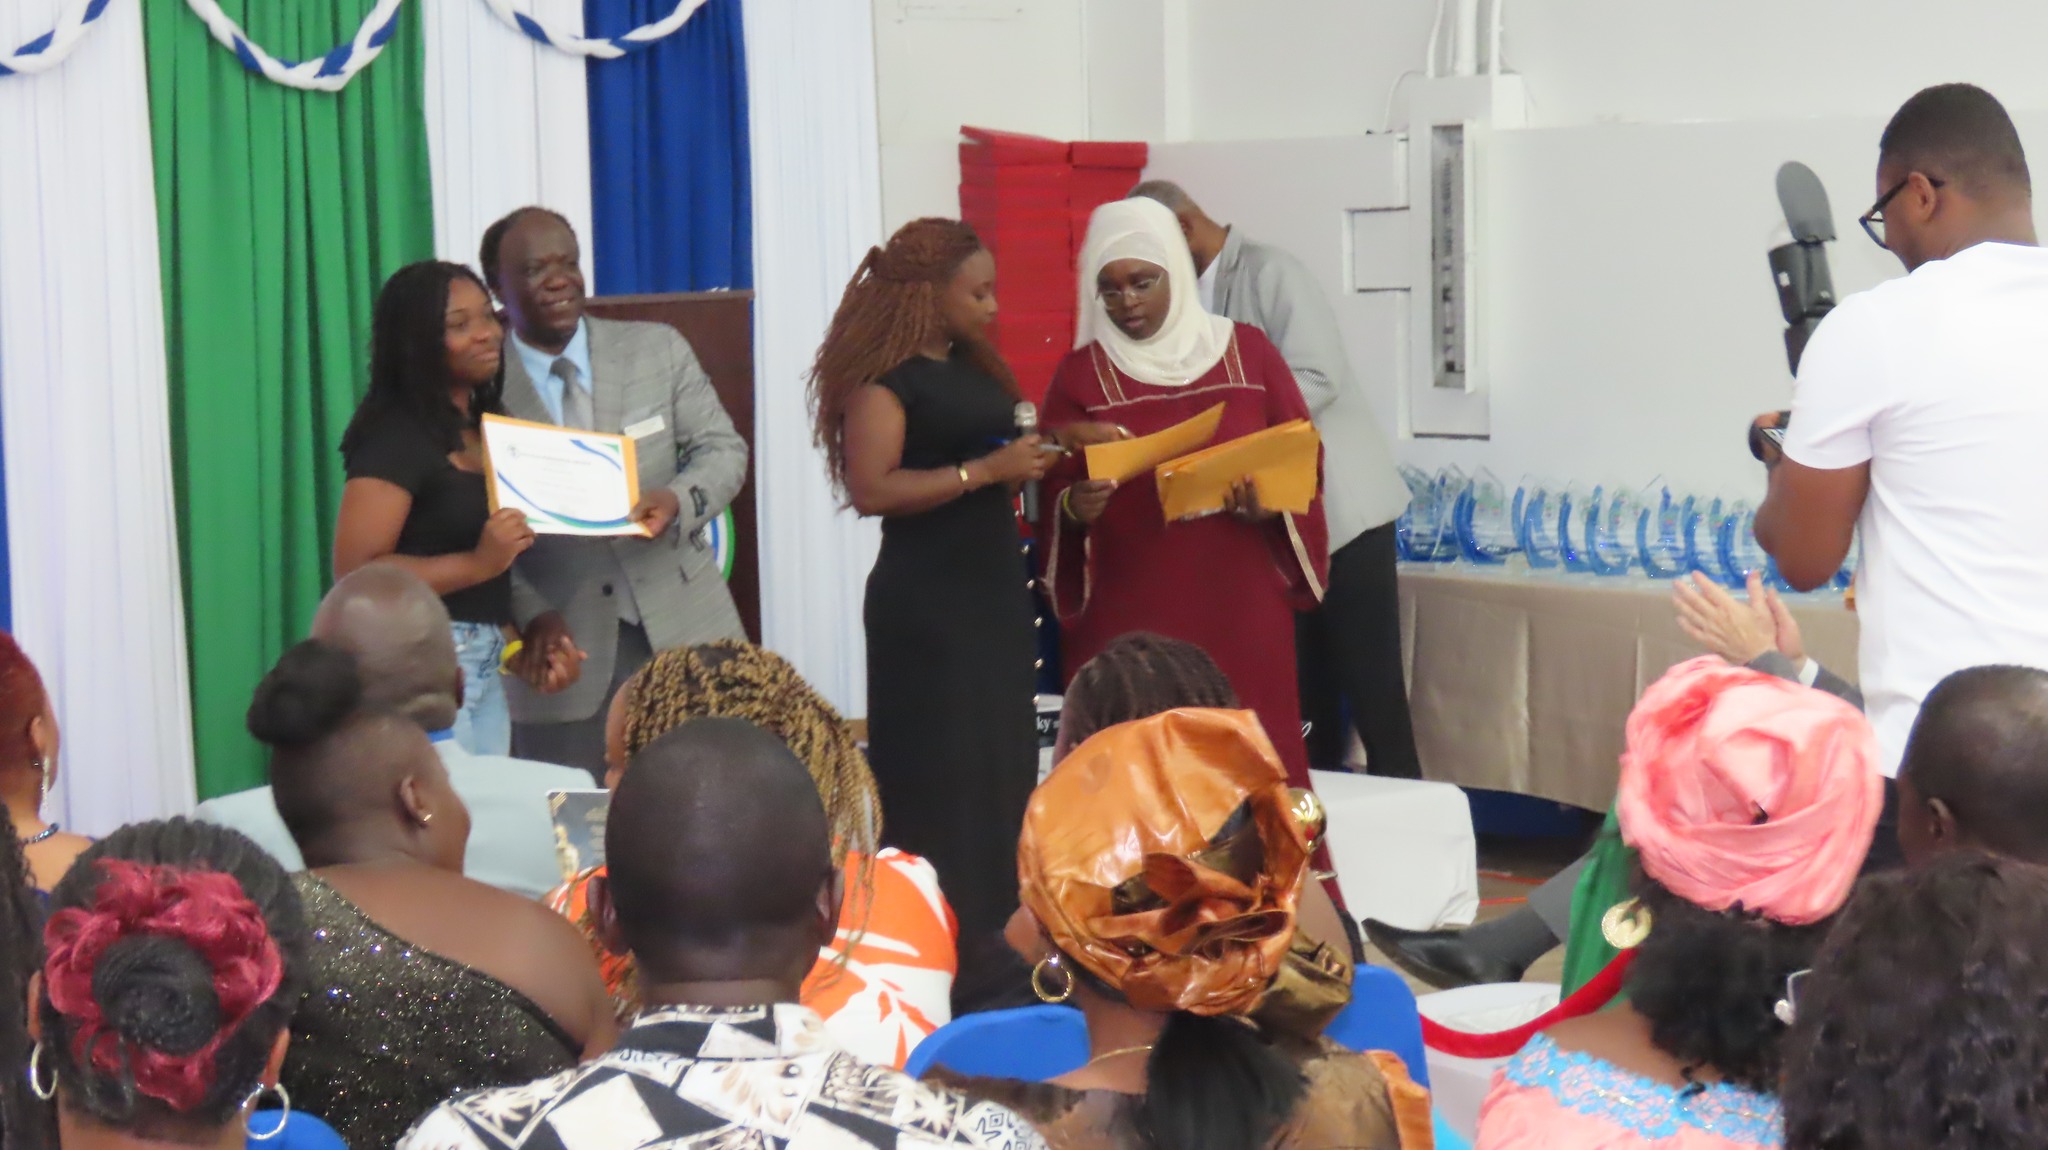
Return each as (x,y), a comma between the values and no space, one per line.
(1873,220)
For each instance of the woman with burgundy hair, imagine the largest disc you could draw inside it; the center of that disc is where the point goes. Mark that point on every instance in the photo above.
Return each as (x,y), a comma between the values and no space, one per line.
(28,766)
(173,960)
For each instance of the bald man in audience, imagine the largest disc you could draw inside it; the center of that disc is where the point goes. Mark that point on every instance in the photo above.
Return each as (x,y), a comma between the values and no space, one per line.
(722,887)
(1975,775)
(1349,649)
(398,630)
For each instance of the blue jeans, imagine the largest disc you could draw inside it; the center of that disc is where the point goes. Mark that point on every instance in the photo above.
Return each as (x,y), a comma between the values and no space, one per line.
(483,726)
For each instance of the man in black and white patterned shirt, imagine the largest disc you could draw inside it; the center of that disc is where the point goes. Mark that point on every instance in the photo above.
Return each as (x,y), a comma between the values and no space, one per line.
(721,884)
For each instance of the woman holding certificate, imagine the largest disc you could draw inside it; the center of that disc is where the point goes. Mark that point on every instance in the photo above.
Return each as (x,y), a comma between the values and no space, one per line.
(416,494)
(1148,358)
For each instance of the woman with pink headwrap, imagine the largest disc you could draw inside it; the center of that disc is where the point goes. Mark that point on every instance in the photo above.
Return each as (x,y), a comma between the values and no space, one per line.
(1750,802)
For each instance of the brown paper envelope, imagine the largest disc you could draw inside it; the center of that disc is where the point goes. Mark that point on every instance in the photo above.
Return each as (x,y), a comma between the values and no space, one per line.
(1131,457)
(1280,461)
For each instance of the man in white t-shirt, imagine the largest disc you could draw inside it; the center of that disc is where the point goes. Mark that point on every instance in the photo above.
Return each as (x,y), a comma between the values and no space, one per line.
(1921,416)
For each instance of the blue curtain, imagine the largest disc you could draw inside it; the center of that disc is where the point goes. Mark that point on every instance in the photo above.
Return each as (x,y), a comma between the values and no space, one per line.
(669,170)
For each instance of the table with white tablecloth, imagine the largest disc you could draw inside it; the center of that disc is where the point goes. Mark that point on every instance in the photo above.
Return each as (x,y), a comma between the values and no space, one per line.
(1521,683)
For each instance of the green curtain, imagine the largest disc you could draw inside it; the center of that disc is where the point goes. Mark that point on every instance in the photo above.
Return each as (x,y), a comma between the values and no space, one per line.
(281,212)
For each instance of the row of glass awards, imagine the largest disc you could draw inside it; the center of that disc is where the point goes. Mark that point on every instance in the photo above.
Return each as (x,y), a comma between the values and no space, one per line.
(1573,530)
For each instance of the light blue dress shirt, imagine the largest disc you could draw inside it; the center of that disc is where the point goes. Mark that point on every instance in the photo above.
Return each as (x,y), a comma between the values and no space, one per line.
(540,367)
(511,834)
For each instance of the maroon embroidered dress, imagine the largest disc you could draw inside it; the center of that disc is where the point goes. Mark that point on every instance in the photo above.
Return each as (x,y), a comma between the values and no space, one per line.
(1229,587)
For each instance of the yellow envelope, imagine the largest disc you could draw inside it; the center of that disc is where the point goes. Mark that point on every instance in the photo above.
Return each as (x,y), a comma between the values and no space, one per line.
(1130,457)
(1280,461)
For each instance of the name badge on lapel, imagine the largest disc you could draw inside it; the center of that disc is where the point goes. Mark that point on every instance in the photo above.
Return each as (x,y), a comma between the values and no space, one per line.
(645,427)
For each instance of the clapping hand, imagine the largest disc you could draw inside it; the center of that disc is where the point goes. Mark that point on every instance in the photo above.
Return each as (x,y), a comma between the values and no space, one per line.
(1737,631)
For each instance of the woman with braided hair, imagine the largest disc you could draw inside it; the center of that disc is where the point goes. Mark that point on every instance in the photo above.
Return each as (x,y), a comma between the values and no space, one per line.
(884,985)
(916,414)
(24,1121)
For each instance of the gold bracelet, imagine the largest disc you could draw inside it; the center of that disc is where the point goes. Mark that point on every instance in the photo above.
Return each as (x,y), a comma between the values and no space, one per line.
(966,480)
(1067,506)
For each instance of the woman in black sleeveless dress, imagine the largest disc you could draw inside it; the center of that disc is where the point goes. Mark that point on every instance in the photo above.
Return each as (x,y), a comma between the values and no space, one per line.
(916,414)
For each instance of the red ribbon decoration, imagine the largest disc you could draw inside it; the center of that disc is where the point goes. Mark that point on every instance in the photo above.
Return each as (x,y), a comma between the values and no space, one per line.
(1595,995)
(204,909)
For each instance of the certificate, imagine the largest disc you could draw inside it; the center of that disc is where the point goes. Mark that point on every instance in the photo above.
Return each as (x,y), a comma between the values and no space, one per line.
(568,482)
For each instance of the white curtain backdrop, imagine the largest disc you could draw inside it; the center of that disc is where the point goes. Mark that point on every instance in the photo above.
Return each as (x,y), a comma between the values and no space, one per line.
(817,210)
(91,528)
(508,122)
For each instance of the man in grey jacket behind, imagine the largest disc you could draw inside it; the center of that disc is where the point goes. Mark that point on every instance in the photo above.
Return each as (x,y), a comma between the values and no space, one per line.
(1349,648)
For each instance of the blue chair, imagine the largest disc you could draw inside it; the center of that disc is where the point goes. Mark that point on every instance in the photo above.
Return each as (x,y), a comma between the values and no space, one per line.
(1028,1044)
(1382,1016)
(302,1131)
(1447,1138)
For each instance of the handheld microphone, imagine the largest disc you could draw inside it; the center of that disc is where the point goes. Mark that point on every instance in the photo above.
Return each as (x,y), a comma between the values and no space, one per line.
(1806,292)
(1027,424)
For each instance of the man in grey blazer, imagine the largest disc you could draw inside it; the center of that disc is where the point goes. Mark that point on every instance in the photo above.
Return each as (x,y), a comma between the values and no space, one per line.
(618,600)
(1351,645)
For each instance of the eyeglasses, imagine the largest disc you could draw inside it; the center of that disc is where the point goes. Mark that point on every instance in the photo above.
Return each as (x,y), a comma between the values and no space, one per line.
(1131,293)
(1873,220)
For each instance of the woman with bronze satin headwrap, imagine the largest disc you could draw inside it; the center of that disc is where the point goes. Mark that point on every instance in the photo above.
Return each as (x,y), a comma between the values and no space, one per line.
(1162,868)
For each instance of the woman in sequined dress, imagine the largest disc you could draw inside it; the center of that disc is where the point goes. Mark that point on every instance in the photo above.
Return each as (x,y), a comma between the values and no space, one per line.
(423,983)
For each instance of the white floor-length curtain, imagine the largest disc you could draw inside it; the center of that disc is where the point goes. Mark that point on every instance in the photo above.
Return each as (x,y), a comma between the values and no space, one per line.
(508,122)
(91,526)
(817,210)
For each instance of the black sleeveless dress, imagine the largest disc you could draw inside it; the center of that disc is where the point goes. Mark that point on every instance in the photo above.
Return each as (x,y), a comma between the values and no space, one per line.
(951,646)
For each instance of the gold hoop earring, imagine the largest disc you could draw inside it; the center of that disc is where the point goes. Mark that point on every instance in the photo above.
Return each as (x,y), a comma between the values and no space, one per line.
(35,1075)
(284,1117)
(1038,980)
(1626,924)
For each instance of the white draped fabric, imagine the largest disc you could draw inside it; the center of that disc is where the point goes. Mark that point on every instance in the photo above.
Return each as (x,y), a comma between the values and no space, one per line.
(91,526)
(508,123)
(817,210)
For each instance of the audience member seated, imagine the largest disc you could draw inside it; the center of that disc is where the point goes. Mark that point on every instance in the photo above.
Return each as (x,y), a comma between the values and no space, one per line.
(424,983)
(1920,1026)
(1972,776)
(398,630)
(1749,801)
(1758,632)
(175,955)
(24,1121)
(28,766)
(1140,675)
(722,886)
(1161,866)
(885,981)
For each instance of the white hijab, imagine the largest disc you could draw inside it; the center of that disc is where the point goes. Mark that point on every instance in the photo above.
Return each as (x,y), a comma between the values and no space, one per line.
(1191,341)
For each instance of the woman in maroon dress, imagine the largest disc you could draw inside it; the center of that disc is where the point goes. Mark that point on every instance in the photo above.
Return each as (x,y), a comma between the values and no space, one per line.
(1148,357)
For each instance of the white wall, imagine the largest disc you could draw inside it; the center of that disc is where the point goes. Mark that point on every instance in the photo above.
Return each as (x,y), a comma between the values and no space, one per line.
(1017,66)
(1628,308)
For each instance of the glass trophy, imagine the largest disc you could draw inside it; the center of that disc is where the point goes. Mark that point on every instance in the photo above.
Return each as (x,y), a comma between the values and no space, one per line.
(1737,548)
(1660,533)
(1482,521)
(1535,519)
(1576,509)
(1419,534)
(1610,533)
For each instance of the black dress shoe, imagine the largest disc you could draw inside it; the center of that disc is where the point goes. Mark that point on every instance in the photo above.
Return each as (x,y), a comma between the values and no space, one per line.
(1440,958)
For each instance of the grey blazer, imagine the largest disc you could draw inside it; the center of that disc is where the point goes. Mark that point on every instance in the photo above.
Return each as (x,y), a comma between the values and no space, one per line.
(1270,289)
(639,371)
